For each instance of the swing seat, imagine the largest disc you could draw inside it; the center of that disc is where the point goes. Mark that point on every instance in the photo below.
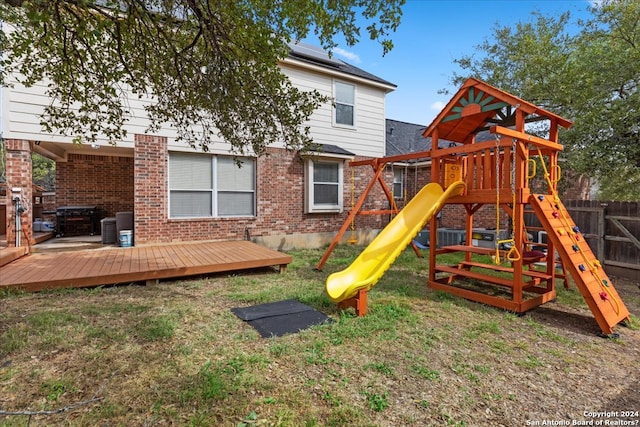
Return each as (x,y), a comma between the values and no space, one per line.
(531,257)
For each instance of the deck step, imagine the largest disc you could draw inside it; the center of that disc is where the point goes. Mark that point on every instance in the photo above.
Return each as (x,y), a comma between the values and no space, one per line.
(8,255)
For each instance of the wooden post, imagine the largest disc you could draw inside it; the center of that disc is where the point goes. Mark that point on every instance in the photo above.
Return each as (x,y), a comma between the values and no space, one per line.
(519,163)
(378,166)
(433,225)
(600,249)
(352,214)
(359,303)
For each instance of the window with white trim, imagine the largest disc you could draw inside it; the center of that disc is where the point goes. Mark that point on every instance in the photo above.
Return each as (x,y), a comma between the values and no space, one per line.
(345,101)
(206,186)
(398,183)
(236,187)
(323,185)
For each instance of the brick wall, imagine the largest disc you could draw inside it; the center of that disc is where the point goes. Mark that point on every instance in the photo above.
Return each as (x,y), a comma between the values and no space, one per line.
(280,201)
(108,182)
(87,180)
(18,174)
(285,169)
(414,179)
(150,189)
(452,216)
(152,224)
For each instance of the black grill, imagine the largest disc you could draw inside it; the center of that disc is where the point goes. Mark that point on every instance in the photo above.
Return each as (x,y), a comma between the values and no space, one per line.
(76,215)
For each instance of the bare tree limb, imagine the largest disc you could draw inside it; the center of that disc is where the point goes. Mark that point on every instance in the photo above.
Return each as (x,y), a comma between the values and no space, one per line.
(53,411)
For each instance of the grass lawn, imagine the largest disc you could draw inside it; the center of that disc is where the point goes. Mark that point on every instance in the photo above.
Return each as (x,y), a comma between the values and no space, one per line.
(174,355)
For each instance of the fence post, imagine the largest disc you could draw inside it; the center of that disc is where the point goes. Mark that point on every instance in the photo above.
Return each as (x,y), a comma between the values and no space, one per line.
(600,250)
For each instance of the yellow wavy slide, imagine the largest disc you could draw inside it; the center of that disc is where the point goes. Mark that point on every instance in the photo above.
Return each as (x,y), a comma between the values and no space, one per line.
(376,259)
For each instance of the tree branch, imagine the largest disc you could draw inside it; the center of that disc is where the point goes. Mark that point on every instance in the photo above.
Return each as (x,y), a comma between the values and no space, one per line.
(53,411)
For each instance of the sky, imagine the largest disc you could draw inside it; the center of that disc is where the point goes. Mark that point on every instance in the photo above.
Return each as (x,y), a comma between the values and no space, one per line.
(431,35)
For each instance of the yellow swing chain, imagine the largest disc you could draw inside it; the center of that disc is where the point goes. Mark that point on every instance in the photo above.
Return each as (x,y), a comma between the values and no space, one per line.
(393,183)
(405,184)
(352,240)
(513,254)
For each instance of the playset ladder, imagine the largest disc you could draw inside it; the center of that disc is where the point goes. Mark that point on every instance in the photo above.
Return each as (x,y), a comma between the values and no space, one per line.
(580,262)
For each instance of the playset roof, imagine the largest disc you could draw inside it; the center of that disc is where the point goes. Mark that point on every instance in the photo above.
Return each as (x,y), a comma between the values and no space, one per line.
(477,106)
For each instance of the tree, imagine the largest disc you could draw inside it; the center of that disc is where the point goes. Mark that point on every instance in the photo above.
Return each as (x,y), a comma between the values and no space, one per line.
(590,77)
(210,67)
(44,172)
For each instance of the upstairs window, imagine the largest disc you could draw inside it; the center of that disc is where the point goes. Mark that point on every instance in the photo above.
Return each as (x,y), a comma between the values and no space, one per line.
(345,99)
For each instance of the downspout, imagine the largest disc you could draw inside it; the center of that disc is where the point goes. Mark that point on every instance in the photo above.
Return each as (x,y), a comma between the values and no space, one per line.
(18,225)
(20,208)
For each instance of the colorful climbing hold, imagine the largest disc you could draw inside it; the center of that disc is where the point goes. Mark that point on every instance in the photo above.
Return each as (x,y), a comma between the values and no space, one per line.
(604,296)
(575,248)
(605,283)
(596,263)
(554,214)
(560,232)
(540,197)
(582,268)
(576,229)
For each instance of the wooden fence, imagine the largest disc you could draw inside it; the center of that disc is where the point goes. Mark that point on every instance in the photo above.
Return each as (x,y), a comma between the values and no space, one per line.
(612,230)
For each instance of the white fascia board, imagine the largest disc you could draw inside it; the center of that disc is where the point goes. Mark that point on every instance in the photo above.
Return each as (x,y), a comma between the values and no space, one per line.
(324,155)
(334,73)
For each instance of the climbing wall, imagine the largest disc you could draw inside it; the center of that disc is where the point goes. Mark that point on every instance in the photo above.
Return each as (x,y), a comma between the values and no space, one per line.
(579,261)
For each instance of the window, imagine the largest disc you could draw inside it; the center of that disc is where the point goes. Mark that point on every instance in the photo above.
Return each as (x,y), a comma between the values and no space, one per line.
(204,186)
(344,94)
(324,185)
(398,183)
(190,185)
(236,187)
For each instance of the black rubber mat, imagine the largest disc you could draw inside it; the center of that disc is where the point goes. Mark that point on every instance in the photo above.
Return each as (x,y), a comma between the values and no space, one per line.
(279,318)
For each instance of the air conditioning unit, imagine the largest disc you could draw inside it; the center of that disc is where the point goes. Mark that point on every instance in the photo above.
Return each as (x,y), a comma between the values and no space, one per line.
(423,238)
(451,237)
(483,238)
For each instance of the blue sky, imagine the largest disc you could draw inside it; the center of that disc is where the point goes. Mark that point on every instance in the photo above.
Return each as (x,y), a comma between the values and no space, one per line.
(432,34)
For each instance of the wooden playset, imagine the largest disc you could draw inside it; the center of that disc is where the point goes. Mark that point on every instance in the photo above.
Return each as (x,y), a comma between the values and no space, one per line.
(493,150)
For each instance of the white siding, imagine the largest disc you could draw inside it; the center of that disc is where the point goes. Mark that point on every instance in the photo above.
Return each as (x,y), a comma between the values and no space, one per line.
(367,138)
(22,108)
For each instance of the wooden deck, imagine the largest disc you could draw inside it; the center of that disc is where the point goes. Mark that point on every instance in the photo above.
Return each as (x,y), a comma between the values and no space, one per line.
(109,266)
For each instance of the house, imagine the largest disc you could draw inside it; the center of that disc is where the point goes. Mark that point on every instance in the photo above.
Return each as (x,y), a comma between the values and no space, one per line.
(409,175)
(282,200)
